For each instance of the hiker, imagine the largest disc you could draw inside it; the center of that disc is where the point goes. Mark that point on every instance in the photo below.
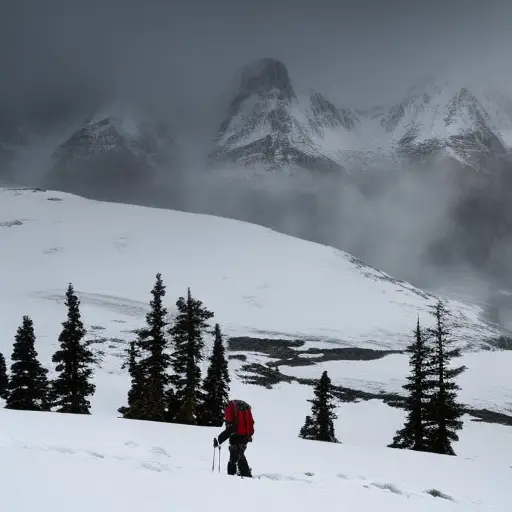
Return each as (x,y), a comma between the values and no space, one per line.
(239,429)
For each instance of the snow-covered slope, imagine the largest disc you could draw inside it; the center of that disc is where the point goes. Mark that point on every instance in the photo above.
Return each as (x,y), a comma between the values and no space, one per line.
(259,283)
(255,279)
(118,151)
(499,107)
(100,463)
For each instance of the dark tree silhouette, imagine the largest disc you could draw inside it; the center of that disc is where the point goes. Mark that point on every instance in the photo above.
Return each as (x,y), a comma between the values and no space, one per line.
(444,412)
(4,379)
(73,386)
(308,430)
(135,392)
(28,386)
(413,435)
(187,334)
(320,425)
(215,385)
(149,363)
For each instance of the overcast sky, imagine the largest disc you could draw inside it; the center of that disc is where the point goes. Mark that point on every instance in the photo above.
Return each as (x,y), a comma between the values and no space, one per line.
(356,52)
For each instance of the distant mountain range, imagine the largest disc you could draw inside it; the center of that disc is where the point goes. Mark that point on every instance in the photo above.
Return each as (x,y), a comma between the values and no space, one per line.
(269,124)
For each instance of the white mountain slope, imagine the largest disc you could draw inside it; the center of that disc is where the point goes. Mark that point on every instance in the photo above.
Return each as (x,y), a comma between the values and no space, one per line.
(259,284)
(254,280)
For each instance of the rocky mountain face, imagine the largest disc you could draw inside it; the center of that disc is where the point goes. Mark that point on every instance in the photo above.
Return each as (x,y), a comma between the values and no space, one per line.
(270,126)
(442,121)
(115,155)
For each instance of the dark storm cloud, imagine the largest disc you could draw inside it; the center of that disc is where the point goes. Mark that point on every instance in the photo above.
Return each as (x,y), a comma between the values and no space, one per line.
(183,50)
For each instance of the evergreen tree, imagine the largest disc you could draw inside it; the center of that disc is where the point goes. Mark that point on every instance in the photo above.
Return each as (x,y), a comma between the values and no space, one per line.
(28,386)
(215,385)
(4,379)
(308,429)
(72,387)
(149,363)
(413,435)
(444,412)
(320,425)
(187,334)
(135,392)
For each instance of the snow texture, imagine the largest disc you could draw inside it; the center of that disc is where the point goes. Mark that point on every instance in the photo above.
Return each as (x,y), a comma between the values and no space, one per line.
(258,282)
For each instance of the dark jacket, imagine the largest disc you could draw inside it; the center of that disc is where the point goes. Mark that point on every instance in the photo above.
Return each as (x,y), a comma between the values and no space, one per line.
(227,433)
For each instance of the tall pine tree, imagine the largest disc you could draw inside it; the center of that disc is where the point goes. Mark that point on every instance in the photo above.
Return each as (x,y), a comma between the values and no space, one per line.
(444,412)
(4,379)
(134,370)
(72,387)
(149,363)
(320,425)
(413,435)
(215,385)
(28,386)
(187,334)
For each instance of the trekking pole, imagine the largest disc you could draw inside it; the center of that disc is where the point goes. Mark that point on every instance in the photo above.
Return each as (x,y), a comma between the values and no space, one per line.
(219,458)
(213,462)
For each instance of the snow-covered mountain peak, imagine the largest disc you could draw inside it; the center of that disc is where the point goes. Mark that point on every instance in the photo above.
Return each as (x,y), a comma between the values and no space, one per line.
(265,76)
(324,113)
(122,146)
(123,116)
(270,125)
(444,116)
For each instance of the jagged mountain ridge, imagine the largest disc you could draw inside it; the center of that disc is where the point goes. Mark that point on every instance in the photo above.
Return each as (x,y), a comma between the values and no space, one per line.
(270,124)
(446,120)
(118,150)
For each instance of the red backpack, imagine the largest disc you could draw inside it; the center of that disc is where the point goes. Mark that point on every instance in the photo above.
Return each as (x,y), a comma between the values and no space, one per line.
(239,414)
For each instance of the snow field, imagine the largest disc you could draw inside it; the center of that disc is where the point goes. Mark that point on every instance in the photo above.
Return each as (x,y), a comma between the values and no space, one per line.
(105,463)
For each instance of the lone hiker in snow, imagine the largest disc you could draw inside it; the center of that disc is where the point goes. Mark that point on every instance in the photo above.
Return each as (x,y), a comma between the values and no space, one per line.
(239,429)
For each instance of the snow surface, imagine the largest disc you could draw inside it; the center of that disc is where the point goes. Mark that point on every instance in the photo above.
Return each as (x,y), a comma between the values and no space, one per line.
(255,280)
(102,463)
(485,384)
(258,282)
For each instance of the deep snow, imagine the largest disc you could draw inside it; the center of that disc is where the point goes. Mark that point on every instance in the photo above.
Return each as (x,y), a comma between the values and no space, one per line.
(98,463)
(257,282)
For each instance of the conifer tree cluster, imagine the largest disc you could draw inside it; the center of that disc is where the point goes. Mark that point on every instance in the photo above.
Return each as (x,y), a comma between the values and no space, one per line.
(433,413)
(319,426)
(27,386)
(164,364)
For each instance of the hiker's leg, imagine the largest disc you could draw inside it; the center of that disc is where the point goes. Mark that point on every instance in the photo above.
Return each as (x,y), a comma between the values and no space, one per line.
(233,459)
(243,465)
